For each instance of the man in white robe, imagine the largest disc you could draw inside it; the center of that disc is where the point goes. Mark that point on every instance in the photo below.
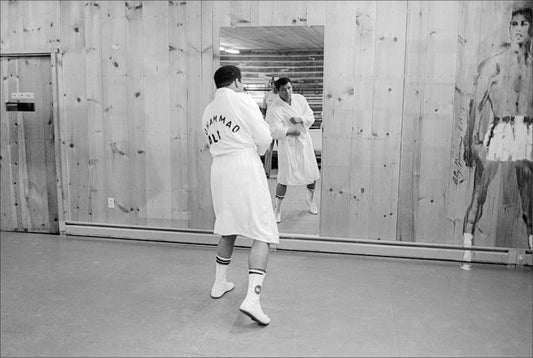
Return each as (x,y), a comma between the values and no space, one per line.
(237,134)
(269,96)
(290,118)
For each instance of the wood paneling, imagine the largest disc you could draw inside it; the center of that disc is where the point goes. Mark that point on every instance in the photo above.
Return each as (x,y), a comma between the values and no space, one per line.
(428,109)
(8,210)
(202,215)
(97,205)
(74,106)
(338,119)
(135,76)
(436,126)
(178,114)
(415,70)
(29,192)
(115,66)
(157,106)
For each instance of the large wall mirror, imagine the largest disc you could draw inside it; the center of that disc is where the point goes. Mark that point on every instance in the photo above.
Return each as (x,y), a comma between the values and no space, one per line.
(268,52)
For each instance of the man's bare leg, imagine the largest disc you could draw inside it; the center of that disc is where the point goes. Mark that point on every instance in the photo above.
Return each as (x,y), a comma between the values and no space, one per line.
(258,257)
(482,180)
(524,179)
(281,190)
(257,262)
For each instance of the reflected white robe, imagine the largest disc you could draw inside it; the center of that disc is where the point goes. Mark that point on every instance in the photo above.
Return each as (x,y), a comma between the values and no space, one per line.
(296,157)
(237,134)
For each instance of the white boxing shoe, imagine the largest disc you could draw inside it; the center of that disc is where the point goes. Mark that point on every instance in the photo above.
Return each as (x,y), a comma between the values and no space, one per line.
(220,288)
(252,308)
(467,254)
(312,208)
(277,216)
(310,200)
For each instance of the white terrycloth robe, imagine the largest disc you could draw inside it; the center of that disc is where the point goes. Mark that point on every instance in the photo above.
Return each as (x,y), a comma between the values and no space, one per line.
(296,157)
(237,134)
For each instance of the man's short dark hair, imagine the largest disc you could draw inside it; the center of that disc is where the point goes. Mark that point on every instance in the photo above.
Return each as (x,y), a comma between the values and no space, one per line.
(225,75)
(282,81)
(525,11)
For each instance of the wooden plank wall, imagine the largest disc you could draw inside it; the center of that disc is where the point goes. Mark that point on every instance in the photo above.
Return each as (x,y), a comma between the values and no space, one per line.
(14,200)
(27,139)
(362,119)
(136,75)
(29,196)
(429,110)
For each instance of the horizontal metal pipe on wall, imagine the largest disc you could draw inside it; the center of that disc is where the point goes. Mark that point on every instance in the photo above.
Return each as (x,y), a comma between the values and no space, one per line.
(308,243)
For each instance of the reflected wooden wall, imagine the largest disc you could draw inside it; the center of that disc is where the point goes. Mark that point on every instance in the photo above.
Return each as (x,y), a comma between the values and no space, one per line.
(136,75)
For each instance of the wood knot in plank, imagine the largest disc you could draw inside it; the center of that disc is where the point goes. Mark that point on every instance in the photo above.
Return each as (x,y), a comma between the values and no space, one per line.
(122,208)
(116,149)
(114,62)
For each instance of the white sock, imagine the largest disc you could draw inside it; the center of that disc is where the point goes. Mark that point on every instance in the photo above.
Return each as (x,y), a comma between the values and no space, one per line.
(251,305)
(255,283)
(531,242)
(221,270)
(277,208)
(221,285)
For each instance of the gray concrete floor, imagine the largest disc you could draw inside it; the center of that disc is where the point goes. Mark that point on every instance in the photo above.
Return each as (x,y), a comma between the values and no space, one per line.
(99,297)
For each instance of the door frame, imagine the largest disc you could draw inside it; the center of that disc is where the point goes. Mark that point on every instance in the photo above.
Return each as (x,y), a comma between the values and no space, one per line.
(55,59)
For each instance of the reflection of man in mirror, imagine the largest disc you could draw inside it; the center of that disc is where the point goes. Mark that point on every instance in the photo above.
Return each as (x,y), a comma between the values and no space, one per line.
(500,125)
(290,118)
(268,98)
(237,134)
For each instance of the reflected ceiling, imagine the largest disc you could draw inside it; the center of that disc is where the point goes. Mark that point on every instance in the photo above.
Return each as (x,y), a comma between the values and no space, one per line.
(272,37)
